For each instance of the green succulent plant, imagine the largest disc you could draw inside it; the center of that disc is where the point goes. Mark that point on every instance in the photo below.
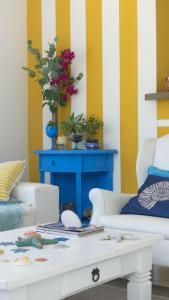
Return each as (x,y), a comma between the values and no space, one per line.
(73,124)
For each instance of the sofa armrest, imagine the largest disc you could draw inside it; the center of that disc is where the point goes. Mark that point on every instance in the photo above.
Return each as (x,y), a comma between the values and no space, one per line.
(106,203)
(43,197)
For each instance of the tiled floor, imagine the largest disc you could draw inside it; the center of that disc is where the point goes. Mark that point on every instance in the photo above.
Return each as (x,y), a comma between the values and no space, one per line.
(117,290)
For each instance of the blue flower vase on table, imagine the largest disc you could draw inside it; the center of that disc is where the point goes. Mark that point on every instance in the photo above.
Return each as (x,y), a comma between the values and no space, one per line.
(52,132)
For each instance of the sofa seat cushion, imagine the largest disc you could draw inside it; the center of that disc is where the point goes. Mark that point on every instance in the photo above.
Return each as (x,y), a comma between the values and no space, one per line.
(137,223)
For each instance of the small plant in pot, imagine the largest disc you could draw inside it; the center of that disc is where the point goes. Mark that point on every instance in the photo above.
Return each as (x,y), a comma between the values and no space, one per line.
(92,126)
(74,128)
(52,132)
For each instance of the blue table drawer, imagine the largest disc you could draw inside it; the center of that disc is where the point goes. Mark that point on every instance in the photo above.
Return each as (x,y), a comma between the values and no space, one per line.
(56,164)
(94,163)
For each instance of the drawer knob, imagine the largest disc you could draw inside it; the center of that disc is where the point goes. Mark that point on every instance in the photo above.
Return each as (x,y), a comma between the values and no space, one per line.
(95,274)
(52,162)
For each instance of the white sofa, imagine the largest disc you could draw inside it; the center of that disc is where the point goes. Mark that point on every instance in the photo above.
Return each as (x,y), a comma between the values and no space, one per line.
(41,202)
(107,204)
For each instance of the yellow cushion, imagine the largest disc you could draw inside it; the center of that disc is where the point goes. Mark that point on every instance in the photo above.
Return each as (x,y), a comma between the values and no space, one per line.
(10,174)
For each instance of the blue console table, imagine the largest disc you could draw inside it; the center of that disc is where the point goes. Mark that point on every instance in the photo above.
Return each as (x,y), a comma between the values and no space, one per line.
(76,172)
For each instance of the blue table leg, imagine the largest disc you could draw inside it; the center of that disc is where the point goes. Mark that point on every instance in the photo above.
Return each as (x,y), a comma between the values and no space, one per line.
(42,177)
(52,178)
(110,180)
(78,195)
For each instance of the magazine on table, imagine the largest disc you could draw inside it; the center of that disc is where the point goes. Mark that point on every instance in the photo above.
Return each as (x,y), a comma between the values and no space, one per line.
(85,229)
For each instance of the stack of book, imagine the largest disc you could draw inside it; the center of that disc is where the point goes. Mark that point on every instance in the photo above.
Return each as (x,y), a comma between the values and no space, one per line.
(61,229)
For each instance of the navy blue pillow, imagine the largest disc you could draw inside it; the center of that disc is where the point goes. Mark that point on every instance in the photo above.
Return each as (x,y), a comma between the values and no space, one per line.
(152,198)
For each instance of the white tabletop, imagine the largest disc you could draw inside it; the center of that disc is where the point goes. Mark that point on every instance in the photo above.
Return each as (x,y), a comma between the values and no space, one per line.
(83,251)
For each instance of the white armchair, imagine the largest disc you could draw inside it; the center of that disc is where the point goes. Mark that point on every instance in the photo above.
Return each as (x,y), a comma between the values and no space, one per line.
(107,204)
(41,202)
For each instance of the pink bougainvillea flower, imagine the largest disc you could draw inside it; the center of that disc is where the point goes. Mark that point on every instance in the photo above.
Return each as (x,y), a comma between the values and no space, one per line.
(64,64)
(55,82)
(68,54)
(71,90)
(63,77)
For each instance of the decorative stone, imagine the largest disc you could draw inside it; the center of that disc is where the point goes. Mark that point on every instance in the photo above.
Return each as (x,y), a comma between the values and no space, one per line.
(41,259)
(5,244)
(22,261)
(19,250)
(31,234)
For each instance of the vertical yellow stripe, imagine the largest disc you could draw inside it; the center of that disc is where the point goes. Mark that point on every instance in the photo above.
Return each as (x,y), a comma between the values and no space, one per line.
(34,92)
(94,58)
(129,94)
(63,34)
(162,55)
(162,131)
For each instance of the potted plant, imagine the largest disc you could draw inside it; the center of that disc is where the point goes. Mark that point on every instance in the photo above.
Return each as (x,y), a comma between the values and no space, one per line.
(52,72)
(52,131)
(74,128)
(92,127)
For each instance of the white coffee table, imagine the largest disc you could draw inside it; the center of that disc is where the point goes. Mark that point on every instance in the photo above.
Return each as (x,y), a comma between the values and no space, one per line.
(88,262)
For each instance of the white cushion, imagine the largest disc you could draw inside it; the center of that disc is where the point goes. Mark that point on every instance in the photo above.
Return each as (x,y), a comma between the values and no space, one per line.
(137,223)
(161,157)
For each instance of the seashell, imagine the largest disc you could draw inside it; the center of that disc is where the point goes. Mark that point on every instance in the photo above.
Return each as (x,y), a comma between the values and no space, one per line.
(70,219)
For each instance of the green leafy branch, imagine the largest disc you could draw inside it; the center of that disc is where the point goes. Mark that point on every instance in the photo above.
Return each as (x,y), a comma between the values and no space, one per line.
(46,70)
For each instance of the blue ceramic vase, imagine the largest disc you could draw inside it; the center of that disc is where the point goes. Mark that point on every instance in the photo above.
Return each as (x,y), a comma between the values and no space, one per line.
(52,132)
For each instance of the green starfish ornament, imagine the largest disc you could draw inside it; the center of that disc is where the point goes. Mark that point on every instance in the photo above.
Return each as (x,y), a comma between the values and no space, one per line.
(36,242)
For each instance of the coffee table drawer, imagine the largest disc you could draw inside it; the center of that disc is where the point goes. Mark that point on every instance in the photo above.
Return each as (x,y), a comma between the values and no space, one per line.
(89,276)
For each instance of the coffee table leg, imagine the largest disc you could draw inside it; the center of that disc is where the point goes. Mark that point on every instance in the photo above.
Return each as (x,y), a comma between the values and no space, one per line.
(14,294)
(139,286)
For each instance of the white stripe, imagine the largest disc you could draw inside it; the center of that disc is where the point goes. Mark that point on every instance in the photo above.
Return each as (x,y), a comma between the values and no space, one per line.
(163,123)
(111,81)
(48,35)
(78,45)
(146,69)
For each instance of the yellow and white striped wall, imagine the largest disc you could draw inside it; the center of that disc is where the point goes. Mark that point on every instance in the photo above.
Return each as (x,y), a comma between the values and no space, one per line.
(121,50)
